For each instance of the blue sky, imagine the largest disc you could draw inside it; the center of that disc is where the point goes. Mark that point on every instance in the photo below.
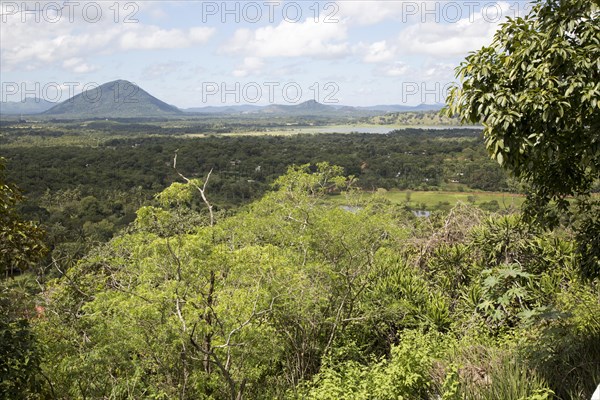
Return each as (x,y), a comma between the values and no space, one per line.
(190,53)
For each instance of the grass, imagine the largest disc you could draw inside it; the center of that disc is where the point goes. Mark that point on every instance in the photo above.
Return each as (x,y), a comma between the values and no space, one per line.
(431,199)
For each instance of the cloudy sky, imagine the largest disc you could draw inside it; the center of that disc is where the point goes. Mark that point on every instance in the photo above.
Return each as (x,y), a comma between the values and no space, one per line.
(226,52)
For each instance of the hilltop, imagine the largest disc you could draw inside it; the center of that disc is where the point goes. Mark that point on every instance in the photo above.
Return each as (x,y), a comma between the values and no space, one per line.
(120,98)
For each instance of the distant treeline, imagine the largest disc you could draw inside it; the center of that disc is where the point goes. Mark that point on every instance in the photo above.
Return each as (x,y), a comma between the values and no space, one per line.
(408,159)
(87,193)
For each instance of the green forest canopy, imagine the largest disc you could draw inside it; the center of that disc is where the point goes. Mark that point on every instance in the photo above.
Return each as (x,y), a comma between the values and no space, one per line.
(292,296)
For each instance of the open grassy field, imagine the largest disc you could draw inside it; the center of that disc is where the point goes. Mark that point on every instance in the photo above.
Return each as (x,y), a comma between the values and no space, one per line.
(431,199)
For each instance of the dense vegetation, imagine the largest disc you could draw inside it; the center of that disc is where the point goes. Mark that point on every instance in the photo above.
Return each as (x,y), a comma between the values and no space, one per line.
(415,159)
(85,191)
(536,89)
(296,294)
(430,118)
(293,297)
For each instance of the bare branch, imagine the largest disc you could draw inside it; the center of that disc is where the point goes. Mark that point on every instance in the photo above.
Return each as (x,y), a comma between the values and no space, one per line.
(200,189)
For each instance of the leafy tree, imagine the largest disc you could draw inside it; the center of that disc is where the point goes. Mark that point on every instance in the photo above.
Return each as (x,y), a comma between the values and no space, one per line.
(20,349)
(404,376)
(21,242)
(21,246)
(235,309)
(295,296)
(536,89)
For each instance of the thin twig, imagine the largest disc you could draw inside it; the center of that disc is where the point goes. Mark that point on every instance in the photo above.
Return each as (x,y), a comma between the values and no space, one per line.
(200,189)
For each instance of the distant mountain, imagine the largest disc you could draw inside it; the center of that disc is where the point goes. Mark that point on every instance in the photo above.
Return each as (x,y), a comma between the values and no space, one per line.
(306,108)
(123,99)
(117,99)
(31,105)
(312,108)
(401,108)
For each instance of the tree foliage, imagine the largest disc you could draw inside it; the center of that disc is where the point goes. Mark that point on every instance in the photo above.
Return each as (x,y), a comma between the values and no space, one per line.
(297,297)
(536,89)
(21,246)
(21,242)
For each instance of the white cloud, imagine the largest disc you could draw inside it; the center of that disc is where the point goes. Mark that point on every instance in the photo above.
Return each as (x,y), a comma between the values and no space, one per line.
(159,70)
(30,45)
(438,71)
(78,65)
(377,52)
(46,49)
(306,39)
(396,69)
(436,28)
(443,41)
(156,12)
(369,12)
(451,39)
(294,68)
(249,66)
(151,37)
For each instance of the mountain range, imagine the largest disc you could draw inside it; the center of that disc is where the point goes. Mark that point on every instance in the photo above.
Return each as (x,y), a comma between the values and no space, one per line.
(30,105)
(311,107)
(123,99)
